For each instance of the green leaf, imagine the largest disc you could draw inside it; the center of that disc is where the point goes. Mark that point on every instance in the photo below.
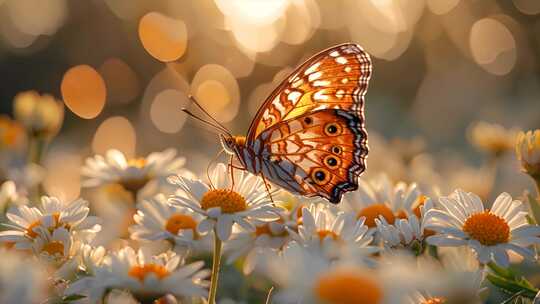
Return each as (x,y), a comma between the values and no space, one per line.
(512,286)
(71,298)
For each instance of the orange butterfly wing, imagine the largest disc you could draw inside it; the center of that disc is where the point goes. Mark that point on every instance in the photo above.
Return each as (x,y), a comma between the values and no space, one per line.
(293,134)
(320,153)
(335,78)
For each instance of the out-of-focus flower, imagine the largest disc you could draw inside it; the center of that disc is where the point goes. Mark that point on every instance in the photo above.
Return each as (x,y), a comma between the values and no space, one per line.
(380,198)
(247,203)
(528,152)
(325,231)
(462,220)
(157,219)
(255,245)
(12,135)
(457,277)
(26,222)
(305,277)
(25,175)
(405,233)
(492,138)
(56,246)
(146,277)
(41,115)
(10,196)
(22,279)
(91,258)
(133,174)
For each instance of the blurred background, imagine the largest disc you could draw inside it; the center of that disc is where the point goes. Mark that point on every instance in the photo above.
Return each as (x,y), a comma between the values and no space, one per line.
(123,69)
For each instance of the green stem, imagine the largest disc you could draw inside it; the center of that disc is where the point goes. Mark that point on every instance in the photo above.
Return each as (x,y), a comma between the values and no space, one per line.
(216,261)
(537,182)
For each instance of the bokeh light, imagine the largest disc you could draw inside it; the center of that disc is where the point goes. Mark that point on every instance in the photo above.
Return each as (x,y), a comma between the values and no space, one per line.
(84,92)
(529,7)
(121,81)
(166,111)
(63,178)
(115,132)
(163,37)
(217,91)
(493,46)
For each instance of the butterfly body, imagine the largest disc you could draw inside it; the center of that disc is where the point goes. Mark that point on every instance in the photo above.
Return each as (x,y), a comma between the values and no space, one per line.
(309,136)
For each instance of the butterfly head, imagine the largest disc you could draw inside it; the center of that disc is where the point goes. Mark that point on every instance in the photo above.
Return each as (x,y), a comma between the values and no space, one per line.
(231,144)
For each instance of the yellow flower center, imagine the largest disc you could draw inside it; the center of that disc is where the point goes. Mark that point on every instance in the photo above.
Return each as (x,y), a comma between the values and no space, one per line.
(373,211)
(30,229)
(137,162)
(487,228)
(54,248)
(265,229)
(434,300)
(140,272)
(348,287)
(179,222)
(229,201)
(327,233)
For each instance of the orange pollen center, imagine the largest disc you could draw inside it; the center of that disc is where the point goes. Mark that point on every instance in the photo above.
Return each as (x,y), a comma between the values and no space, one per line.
(179,222)
(229,201)
(30,229)
(487,228)
(54,248)
(327,233)
(372,212)
(140,272)
(345,287)
(137,162)
(435,300)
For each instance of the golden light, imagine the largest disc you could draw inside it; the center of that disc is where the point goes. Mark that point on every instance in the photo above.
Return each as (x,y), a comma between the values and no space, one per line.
(84,91)
(302,19)
(256,38)
(529,7)
(254,12)
(166,111)
(383,28)
(441,7)
(165,38)
(121,81)
(37,17)
(218,92)
(493,46)
(258,96)
(115,133)
(63,178)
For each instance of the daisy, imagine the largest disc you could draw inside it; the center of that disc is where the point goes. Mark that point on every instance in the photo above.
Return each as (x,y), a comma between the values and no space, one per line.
(146,277)
(528,152)
(380,198)
(406,233)
(305,277)
(91,258)
(222,206)
(22,279)
(268,236)
(330,231)
(462,220)
(133,174)
(157,219)
(41,115)
(492,138)
(457,277)
(25,222)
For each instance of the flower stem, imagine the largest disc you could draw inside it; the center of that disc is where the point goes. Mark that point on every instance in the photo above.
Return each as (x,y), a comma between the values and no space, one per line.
(216,261)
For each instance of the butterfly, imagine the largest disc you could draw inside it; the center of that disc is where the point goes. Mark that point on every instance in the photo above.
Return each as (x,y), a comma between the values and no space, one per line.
(308,136)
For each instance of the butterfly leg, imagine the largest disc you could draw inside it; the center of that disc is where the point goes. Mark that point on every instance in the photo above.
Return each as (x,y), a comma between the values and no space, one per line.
(231,170)
(267,188)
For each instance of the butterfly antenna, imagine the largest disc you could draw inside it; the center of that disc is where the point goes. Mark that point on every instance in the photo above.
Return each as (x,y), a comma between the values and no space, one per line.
(192,98)
(205,121)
